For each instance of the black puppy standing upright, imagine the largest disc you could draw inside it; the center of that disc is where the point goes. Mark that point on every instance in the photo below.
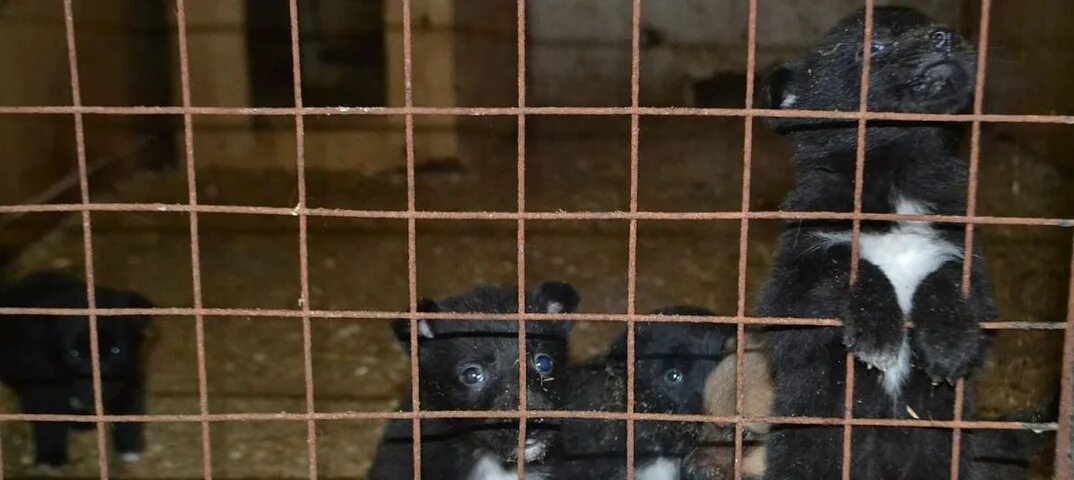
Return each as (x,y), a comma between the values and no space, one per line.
(46,360)
(473,365)
(907,269)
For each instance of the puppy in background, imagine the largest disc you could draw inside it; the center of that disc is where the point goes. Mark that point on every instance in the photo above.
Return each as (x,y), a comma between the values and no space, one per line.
(473,365)
(714,457)
(46,360)
(672,362)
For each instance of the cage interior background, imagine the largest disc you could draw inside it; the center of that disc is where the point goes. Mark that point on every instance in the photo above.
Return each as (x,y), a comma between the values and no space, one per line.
(465,55)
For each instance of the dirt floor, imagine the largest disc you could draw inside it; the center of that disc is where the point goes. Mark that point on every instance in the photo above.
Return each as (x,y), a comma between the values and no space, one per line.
(573,163)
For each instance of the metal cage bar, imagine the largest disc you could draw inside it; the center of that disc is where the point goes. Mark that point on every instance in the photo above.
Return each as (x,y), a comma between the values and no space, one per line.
(303,239)
(87,233)
(195,249)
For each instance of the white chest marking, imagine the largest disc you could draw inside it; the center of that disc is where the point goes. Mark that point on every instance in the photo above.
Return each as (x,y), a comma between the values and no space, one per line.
(660,469)
(906,254)
(489,468)
(894,377)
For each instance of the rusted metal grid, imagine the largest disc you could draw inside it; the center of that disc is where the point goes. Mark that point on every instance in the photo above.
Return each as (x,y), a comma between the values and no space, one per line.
(521,216)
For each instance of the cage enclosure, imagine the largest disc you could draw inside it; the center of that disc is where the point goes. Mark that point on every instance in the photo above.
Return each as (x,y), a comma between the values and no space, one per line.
(283,178)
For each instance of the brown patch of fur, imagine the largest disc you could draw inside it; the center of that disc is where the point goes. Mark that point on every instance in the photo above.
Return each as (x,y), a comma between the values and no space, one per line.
(718,455)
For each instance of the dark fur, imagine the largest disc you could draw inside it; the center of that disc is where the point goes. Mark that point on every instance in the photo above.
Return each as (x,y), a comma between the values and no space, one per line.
(810,278)
(446,348)
(46,360)
(596,449)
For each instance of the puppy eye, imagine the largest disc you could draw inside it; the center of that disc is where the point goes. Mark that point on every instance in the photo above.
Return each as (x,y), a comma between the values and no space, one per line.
(543,363)
(674,375)
(74,353)
(472,375)
(114,350)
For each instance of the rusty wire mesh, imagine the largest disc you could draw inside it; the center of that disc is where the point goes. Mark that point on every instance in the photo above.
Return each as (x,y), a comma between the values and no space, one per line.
(85,207)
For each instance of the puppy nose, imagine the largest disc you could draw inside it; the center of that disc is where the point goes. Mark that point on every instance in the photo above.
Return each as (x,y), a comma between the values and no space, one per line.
(942,40)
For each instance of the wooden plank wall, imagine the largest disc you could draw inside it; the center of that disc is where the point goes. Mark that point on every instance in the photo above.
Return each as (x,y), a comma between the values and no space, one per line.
(359,145)
(123,60)
(36,151)
(1031,71)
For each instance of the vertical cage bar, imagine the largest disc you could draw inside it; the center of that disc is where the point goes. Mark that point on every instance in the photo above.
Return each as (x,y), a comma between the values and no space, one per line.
(975,145)
(195,252)
(87,236)
(971,210)
(520,238)
(411,236)
(855,233)
(303,239)
(744,232)
(632,240)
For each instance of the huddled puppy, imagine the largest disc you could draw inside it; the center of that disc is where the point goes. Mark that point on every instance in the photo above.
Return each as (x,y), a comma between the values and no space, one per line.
(908,270)
(714,457)
(473,365)
(46,360)
(672,362)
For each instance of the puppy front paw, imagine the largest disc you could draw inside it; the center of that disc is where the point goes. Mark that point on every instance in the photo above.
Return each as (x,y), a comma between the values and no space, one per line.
(873,329)
(129,438)
(948,339)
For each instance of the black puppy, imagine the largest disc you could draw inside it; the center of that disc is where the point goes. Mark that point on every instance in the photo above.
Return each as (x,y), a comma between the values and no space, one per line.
(907,269)
(473,365)
(46,360)
(672,363)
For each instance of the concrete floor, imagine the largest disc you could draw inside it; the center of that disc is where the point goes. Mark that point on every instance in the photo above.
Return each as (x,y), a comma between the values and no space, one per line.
(573,163)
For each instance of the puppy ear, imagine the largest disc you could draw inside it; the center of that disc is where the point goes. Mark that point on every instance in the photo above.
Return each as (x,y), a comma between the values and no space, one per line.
(772,93)
(554,297)
(401,326)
